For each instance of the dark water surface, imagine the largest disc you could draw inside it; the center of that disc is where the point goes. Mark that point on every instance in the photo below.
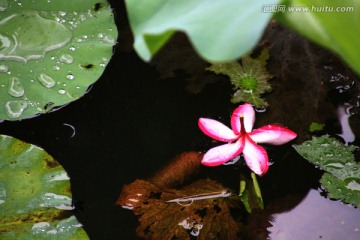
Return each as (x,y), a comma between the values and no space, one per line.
(138,116)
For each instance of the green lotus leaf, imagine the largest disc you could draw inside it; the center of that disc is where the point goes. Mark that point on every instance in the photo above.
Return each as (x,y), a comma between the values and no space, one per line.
(333,24)
(348,192)
(35,196)
(219,30)
(342,177)
(51,52)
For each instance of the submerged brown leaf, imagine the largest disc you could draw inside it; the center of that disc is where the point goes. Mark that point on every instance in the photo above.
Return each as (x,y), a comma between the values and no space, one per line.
(207,216)
(178,171)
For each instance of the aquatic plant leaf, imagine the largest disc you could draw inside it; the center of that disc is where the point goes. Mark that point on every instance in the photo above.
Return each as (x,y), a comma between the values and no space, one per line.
(327,23)
(250,78)
(250,193)
(314,127)
(219,30)
(342,179)
(35,196)
(339,189)
(327,153)
(51,52)
(160,219)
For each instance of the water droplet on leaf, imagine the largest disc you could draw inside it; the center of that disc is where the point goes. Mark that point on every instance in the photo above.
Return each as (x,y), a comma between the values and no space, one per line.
(3,5)
(109,39)
(31,39)
(56,67)
(67,58)
(335,165)
(82,17)
(46,80)
(62,91)
(63,14)
(260,110)
(15,87)
(15,108)
(70,77)
(354,185)
(4,68)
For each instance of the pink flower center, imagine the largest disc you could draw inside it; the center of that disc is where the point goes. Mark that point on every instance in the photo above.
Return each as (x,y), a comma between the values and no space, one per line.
(242,126)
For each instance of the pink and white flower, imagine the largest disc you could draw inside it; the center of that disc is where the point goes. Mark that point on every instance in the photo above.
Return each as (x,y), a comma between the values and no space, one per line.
(241,139)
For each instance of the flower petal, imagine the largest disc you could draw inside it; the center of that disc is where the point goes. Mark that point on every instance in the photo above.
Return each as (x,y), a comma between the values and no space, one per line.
(249,118)
(217,130)
(272,134)
(256,157)
(223,153)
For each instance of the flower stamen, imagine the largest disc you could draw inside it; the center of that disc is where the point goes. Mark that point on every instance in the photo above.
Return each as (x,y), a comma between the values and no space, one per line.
(242,126)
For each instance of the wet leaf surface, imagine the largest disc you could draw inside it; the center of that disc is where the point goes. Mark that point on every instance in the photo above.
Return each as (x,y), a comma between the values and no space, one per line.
(342,179)
(346,191)
(35,196)
(51,52)
(159,219)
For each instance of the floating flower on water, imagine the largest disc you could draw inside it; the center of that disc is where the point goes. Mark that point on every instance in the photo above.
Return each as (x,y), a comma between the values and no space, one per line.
(240,139)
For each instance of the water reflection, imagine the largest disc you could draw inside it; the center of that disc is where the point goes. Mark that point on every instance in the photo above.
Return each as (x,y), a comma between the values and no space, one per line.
(317,218)
(346,132)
